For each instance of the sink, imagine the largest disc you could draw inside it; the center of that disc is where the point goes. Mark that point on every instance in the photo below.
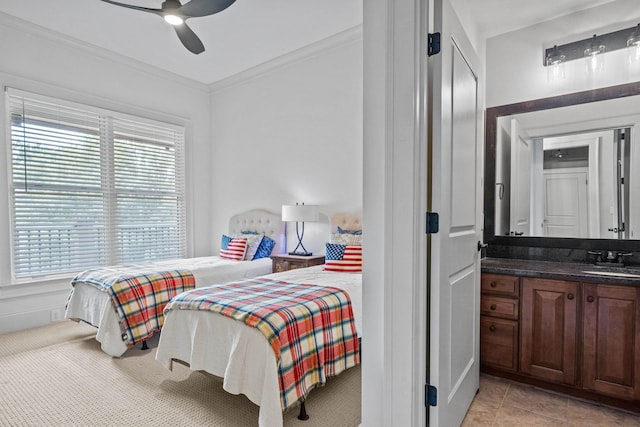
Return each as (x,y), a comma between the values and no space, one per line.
(614,273)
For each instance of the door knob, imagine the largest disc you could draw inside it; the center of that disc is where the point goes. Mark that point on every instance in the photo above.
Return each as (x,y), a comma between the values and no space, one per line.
(481,245)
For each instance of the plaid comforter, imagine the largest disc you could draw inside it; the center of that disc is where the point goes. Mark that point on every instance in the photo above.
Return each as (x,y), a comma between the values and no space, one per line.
(310,328)
(138,298)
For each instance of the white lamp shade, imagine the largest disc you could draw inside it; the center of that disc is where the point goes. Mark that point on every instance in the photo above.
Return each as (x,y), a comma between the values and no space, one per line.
(300,213)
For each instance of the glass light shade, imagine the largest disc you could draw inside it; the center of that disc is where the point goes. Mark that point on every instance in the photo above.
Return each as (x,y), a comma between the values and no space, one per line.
(300,213)
(555,65)
(633,45)
(594,56)
(173,19)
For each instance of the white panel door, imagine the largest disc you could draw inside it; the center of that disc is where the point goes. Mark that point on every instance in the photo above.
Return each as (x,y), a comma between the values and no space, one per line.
(520,181)
(566,211)
(456,196)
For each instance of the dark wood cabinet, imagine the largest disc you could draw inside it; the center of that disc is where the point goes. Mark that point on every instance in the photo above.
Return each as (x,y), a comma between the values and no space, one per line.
(499,308)
(499,343)
(549,333)
(611,340)
(574,337)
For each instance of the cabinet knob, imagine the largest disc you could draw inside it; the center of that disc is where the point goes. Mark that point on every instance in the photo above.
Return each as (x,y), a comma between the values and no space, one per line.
(493,307)
(494,284)
(570,296)
(590,298)
(492,328)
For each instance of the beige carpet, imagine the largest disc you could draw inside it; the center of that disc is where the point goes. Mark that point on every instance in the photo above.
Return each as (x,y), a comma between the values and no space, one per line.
(57,375)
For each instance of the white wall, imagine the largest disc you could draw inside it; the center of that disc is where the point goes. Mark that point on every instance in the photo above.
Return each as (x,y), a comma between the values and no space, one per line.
(515,70)
(291,131)
(40,61)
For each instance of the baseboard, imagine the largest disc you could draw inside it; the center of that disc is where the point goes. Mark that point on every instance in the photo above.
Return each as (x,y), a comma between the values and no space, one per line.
(20,321)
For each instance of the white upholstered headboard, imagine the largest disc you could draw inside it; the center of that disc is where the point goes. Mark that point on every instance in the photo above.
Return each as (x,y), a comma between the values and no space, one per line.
(264,222)
(346,222)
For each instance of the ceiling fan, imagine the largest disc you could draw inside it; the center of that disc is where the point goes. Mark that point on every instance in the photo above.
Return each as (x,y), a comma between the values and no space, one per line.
(176,14)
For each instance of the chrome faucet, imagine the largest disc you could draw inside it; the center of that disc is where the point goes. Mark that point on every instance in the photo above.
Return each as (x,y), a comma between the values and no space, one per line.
(611,257)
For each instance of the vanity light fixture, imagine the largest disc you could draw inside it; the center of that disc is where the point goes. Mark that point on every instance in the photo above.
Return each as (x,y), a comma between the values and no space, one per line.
(593,48)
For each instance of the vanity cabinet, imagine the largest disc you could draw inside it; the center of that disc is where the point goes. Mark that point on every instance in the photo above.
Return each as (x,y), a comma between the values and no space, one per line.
(611,340)
(549,329)
(499,311)
(575,337)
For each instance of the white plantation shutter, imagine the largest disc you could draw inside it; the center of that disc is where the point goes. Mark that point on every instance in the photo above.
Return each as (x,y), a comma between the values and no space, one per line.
(149,202)
(92,188)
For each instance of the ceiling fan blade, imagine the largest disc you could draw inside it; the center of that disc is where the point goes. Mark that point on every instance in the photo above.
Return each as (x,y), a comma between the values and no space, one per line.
(204,7)
(189,39)
(143,9)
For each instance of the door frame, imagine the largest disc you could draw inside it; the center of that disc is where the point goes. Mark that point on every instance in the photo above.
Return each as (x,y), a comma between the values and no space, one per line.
(395,329)
(395,131)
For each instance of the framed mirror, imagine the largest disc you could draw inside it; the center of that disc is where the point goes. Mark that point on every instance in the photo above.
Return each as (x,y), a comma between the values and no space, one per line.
(523,183)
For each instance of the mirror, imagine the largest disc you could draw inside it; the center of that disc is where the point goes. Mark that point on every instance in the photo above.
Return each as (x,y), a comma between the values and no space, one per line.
(564,171)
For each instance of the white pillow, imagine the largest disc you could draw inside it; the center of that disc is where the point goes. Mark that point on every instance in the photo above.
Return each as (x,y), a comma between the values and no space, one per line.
(346,239)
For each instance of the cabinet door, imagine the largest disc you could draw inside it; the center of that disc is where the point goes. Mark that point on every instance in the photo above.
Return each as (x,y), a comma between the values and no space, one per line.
(499,343)
(611,338)
(548,329)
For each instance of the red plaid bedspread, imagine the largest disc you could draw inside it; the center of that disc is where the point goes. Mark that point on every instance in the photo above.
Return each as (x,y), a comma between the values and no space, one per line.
(310,328)
(140,298)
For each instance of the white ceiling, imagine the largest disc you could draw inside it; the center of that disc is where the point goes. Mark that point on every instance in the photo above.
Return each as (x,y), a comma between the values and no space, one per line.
(249,32)
(494,17)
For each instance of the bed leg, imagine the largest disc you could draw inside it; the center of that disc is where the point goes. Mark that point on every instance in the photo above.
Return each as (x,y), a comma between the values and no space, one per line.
(303,412)
(144,345)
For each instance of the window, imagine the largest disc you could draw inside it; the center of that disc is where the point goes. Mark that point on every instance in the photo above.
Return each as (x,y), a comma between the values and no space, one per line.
(91,187)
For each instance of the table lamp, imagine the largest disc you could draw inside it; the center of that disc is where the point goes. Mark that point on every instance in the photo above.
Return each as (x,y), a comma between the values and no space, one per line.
(300,213)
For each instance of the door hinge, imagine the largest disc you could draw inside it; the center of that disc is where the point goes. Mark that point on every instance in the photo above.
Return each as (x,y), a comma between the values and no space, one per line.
(434,44)
(433,221)
(430,395)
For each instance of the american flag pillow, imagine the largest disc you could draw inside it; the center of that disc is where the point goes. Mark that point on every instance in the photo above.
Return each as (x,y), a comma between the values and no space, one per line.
(233,248)
(345,258)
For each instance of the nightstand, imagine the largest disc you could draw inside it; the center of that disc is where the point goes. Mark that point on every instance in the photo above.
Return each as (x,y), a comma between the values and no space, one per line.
(290,262)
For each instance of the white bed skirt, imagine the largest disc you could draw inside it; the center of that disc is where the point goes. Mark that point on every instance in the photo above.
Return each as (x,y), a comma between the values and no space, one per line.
(92,305)
(226,348)
(239,354)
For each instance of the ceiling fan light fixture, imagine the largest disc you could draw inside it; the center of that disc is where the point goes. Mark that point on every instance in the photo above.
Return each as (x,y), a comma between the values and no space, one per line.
(176,13)
(173,19)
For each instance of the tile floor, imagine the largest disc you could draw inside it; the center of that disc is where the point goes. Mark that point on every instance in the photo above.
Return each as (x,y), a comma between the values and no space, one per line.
(505,403)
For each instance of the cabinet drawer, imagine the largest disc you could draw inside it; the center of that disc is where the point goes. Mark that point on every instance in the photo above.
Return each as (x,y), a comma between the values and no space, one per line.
(500,285)
(507,308)
(499,343)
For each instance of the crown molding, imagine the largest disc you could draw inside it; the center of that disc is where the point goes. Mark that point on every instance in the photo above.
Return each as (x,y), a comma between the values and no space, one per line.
(39,31)
(343,38)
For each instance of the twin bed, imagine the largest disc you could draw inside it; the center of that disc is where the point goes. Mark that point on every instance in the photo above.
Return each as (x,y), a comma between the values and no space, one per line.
(90,303)
(218,328)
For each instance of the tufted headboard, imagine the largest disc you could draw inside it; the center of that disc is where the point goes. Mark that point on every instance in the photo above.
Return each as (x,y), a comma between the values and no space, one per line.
(264,222)
(346,222)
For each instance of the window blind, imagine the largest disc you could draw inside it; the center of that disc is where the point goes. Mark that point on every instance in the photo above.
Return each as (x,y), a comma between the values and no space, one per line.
(91,187)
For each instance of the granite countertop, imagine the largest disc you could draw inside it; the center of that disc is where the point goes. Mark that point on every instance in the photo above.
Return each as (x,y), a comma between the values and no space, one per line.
(577,272)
